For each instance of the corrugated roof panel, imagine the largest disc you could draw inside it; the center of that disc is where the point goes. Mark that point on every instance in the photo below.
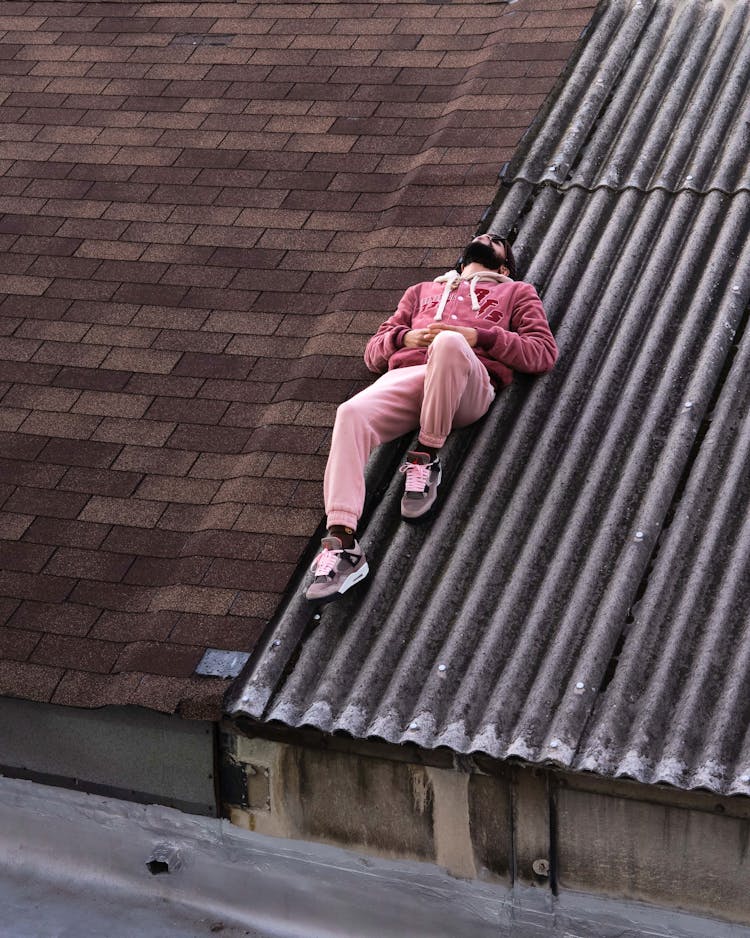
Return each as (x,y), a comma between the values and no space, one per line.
(506,626)
(684,669)
(660,99)
(476,634)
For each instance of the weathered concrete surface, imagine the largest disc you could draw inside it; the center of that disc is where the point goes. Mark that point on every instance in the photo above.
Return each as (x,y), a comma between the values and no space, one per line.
(34,907)
(386,808)
(551,832)
(655,852)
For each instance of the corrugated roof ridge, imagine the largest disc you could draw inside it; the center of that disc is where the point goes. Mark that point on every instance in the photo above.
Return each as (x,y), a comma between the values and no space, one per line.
(566,187)
(603,130)
(708,526)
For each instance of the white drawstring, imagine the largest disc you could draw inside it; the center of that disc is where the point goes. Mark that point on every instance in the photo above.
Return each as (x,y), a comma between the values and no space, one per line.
(473,292)
(444,298)
(449,279)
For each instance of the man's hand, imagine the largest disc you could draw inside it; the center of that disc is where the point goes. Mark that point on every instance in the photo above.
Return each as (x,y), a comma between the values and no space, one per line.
(421,338)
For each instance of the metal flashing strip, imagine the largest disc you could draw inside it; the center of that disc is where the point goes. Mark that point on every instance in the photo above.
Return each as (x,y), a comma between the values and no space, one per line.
(218,663)
(127,752)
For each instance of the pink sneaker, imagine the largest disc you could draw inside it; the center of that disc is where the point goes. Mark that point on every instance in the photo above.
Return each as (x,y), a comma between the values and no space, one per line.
(336,570)
(422,481)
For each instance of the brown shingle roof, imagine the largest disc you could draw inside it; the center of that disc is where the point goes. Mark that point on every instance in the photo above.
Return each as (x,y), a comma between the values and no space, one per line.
(207,207)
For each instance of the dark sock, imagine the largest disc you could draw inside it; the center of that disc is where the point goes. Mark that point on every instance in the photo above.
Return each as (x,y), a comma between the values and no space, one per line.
(431,451)
(344,534)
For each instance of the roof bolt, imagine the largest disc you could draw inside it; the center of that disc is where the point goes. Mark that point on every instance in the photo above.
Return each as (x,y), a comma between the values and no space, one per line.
(317,616)
(745,779)
(639,535)
(441,667)
(736,288)
(413,725)
(688,178)
(553,167)
(688,405)
(554,744)
(277,643)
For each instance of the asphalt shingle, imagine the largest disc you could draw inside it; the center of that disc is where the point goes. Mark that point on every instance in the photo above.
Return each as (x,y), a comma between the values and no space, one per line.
(205,209)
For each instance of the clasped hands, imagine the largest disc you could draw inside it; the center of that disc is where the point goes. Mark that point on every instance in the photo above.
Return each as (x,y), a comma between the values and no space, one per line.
(421,338)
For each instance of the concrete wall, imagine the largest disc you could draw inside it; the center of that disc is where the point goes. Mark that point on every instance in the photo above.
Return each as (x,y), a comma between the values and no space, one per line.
(514,825)
(392,809)
(655,845)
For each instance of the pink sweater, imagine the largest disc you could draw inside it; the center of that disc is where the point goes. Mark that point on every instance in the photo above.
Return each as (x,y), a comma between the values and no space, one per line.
(512,329)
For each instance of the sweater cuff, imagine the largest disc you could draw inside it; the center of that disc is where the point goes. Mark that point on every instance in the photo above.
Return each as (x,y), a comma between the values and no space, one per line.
(486,338)
(398,336)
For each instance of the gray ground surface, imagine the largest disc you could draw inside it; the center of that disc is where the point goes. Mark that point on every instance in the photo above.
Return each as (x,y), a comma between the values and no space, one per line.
(35,908)
(76,866)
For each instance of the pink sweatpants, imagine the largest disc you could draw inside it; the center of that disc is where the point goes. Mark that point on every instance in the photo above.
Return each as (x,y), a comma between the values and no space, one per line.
(452,390)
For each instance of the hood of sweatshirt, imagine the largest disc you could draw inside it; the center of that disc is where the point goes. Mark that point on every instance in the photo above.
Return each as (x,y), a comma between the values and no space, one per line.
(452,278)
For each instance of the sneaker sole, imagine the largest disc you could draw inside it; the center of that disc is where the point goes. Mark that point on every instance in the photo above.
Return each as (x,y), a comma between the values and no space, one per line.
(427,515)
(354,578)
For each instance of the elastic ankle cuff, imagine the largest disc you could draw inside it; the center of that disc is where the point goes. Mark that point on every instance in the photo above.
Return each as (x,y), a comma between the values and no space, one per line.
(434,442)
(346,519)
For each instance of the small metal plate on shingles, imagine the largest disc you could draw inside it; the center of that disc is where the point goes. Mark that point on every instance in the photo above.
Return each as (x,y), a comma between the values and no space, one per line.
(218,663)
